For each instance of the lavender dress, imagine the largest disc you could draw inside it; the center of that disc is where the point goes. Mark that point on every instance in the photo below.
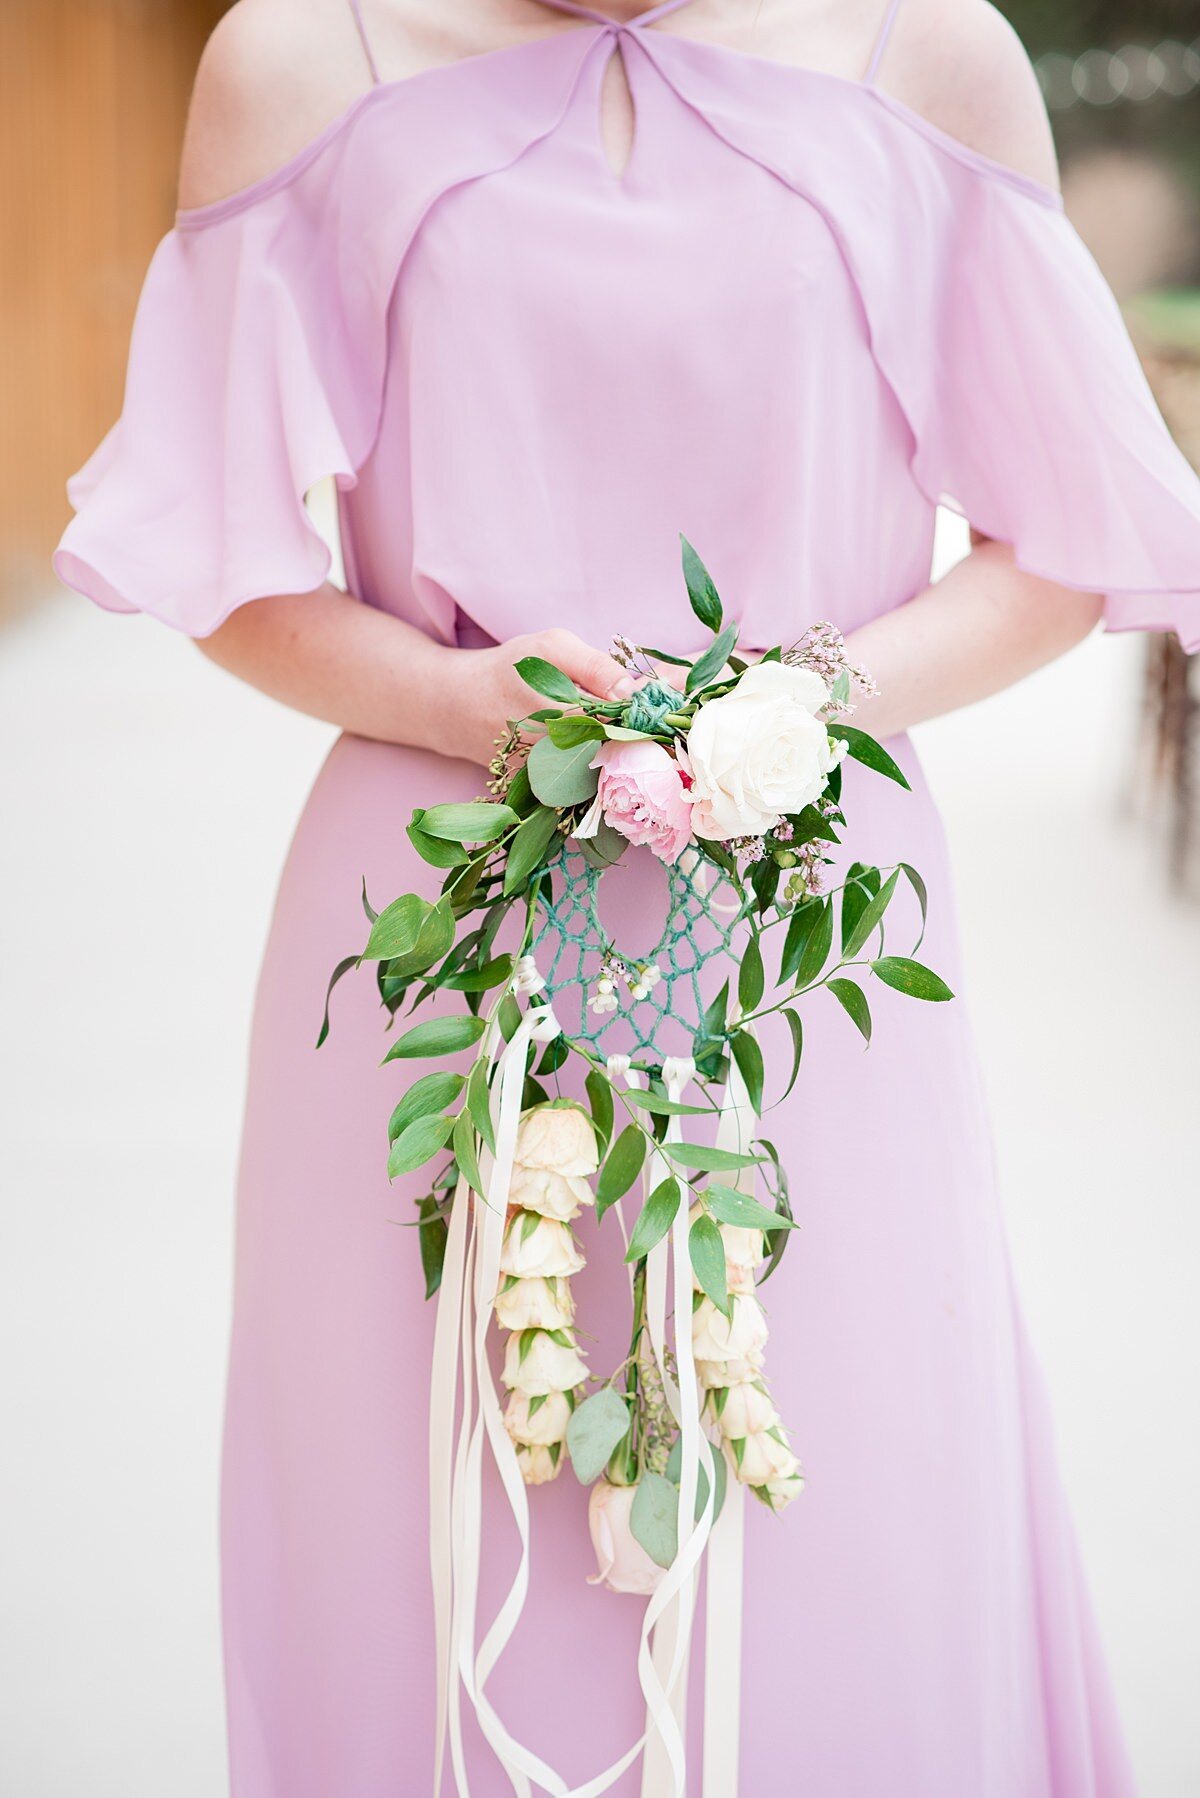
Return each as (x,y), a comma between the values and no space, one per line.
(798,317)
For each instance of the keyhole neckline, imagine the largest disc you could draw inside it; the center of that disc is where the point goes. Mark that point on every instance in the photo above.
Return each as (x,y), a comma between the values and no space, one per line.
(596,17)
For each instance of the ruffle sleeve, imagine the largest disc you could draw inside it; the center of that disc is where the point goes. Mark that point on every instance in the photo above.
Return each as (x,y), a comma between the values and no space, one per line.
(244,390)
(1033,417)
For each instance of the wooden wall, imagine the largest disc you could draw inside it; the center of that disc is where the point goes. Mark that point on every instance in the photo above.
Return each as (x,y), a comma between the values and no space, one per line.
(93,97)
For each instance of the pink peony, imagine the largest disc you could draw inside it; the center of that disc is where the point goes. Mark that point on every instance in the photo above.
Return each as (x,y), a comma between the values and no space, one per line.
(643,795)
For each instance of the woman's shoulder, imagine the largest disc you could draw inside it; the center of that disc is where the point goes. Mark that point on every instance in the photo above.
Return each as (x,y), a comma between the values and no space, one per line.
(273,76)
(961,66)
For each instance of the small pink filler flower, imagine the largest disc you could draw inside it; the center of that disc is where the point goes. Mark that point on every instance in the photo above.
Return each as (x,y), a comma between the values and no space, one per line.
(642,794)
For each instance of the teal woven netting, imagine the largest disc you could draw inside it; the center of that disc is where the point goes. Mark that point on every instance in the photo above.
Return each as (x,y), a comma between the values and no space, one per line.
(701,909)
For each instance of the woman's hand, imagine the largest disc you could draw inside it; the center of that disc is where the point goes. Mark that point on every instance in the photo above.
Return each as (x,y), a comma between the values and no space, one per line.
(483,692)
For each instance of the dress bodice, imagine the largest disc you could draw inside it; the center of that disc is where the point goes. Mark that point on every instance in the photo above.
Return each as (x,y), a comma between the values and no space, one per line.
(798,318)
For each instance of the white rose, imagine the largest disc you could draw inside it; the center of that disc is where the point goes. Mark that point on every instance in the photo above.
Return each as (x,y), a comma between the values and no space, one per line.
(546,1366)
(782,1491)
(535,1305)
(539,1189)
(624,1565)
(539,1247)
(538,1463)
(546,1426)
(759,752)
(729,1373)
(743,1247)
(716,1337)
(747,1408)
(558,1138)
(764,1458)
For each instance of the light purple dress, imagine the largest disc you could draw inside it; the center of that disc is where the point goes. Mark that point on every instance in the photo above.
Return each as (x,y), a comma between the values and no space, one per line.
(798,317)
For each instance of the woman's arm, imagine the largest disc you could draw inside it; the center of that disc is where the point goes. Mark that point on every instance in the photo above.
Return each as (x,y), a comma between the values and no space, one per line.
(981,627)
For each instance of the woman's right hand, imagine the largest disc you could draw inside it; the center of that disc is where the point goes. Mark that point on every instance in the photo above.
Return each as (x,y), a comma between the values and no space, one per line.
(482,690)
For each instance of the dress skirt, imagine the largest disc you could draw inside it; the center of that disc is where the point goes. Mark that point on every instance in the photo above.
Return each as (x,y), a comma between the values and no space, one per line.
(915,1624)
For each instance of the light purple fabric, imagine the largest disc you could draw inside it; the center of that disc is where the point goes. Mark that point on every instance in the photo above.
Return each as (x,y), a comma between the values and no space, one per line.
(798,317)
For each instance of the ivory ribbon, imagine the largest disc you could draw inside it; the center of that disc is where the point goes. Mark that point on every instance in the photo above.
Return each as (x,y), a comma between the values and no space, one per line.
(470,1280)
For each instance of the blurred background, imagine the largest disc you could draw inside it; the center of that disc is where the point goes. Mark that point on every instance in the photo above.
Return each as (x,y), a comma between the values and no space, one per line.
(142,793)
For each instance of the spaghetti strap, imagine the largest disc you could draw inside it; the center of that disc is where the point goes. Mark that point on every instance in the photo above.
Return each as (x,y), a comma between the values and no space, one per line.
(356,10)
(881,42)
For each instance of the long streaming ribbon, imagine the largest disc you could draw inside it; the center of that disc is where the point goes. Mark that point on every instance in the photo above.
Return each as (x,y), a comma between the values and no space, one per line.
(470,1280)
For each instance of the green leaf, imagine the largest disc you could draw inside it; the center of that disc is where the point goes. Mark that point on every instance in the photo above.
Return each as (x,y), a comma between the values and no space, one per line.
(434,939)
(706,603)
(479,980)
(800,927)
(661,1106)
(600,1098)
(396,929)
(622,1165)
(594,1431)
(853,1001)
(478,1103)
(547,680)
(654,1220)
(432,1233)
(816,949)
(528,848)
(751,979)
(707,1160)
(743,1212)
(562,777)
(418,1144)
(707,1249)
(372,914)
(464,1150)
(434,850)
(438,1036)
(480,821)
(870,917)
(674,1471)
(911,977)
(866,750)
(919,888)
(747,1053)
(432,1092)
(564,733)
(654,1518)
(713,659)
(796,1027)
(344,966)
(605,849)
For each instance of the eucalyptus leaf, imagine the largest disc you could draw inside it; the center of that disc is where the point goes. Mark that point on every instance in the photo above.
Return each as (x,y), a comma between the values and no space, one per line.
(562,777)
(911,977)
(594,1431)
(437,1036)
(716,1459)
(605,849)
(654,1220)
(654,1518)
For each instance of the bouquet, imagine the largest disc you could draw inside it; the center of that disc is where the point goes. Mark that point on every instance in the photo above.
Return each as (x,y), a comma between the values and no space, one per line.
(728,770)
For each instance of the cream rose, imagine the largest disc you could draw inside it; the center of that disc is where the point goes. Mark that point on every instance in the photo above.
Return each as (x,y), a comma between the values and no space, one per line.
(782,1491)
(729,1373)
(716,1337)
(764,1457)
(546,1366)
(535,1305)
(538,1463)
(747,1409)
(759,752)
(537,1247)
(624,1565)
(558,1138)
(559,1196)
(546,1426)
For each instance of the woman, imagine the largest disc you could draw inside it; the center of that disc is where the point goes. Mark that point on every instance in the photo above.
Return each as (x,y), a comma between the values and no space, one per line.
(543,287)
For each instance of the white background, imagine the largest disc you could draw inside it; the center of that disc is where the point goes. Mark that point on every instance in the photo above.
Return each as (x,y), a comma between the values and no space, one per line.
(146,803)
